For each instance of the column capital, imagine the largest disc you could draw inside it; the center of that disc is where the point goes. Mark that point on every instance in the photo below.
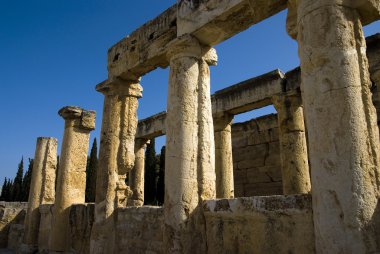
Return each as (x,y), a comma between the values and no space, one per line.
(369,11)
(120,86)
(189,46)
(141,143)
(85,118)
(221,122)
(288,99)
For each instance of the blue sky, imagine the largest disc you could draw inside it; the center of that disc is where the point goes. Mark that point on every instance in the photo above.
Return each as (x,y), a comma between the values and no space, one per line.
(53,53)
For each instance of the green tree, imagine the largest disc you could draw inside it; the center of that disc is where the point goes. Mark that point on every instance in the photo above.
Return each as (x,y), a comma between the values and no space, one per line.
(17,182)
(150,174)
(4,189)
(8,192)
(161,178)
(92,165)
(26,181)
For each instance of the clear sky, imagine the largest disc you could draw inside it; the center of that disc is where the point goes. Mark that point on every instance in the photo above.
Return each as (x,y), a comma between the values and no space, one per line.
(53,53)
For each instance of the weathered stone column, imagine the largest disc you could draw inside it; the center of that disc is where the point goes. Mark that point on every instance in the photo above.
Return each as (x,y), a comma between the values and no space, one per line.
(116,157)
(42,188)
(341,122)
(294,160)
(223,157)
(189,172)
(136,175)
(71,181)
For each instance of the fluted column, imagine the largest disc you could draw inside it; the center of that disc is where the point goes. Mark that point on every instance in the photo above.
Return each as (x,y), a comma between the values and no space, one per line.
(116,157)
(341,122)
(294,160)
(71,181)
(223,157)
(190,171)
(42,188)
(136,175)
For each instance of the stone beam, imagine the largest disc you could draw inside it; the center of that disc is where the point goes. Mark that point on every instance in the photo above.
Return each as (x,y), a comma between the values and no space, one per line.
(211,22)
(248,95)
(151,127)
(214,21)
(145,49)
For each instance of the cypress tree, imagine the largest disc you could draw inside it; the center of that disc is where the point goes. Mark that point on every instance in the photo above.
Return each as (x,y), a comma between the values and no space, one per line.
(92,165)
(161,178)
(150,174)
(17,182)
(9,191)
(26,181)
(4,189)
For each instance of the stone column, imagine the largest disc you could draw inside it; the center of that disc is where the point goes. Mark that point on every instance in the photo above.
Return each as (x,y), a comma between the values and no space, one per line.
(116,157)
(341,122)
(189,158)
(42,188)
(224,167)
(71,181)
(136,176)
(294,160)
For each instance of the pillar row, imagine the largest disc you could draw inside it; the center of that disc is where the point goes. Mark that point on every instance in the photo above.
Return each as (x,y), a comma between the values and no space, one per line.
(71,181)
(190,158)
(292,136)
(341,122)
(136,175)
(223,157)
(42,188)
(116,158)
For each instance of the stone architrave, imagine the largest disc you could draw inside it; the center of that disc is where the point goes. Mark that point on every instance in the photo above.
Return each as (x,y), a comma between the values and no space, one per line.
(42,187)
(340,117)
(223,157)
(136,175)
(292,136)
(71,181)
(189,161)
(116,157)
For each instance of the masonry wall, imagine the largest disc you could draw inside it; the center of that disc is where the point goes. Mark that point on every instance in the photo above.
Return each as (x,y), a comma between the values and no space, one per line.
(276,224)
(140,230)
(10,213)
(256,157)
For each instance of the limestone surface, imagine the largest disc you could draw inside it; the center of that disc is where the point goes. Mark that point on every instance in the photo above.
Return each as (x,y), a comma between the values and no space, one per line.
(71,182)
(42,187)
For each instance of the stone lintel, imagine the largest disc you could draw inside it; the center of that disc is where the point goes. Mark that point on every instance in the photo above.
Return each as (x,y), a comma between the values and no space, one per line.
(211,22)
(214,21)
(120,86)
(144,49)
(151,127)
(86,117)
(248,95)
(369,11)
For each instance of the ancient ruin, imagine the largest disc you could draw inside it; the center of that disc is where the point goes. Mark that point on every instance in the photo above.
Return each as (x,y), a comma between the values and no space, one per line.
(306,180)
